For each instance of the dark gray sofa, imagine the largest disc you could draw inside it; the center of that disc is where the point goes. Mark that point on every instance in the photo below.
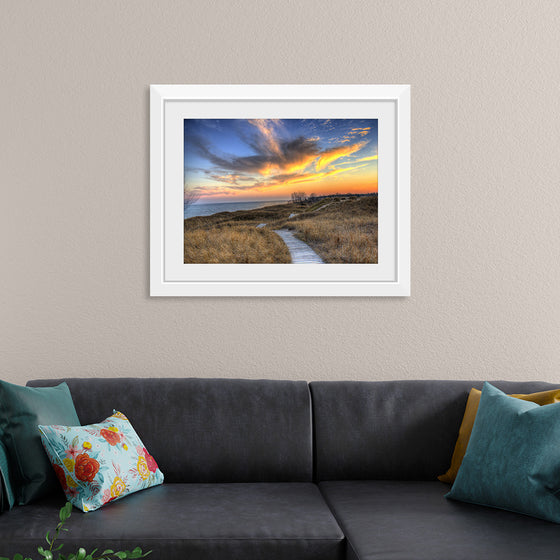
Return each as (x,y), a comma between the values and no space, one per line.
(285,470)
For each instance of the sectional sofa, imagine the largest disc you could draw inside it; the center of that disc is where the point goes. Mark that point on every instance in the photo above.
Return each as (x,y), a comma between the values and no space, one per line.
(285,470)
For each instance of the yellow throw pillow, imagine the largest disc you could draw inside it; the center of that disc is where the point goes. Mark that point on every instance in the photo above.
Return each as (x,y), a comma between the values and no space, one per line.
(541,398)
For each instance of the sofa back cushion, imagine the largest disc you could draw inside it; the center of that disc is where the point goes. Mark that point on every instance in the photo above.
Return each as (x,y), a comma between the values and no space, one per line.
(393,430)
(208,430)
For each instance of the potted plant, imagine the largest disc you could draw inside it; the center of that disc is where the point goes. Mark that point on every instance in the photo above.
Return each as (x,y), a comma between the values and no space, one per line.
(53,553)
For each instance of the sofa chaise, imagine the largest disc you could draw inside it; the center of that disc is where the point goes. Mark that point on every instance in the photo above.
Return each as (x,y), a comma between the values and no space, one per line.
(285,470)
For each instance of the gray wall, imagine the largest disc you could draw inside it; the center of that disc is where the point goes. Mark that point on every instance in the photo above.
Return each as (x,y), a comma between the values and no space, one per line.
(485,188)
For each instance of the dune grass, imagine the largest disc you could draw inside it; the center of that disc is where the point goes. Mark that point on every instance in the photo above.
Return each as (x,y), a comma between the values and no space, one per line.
(343,232)
(339,230)
(233,243)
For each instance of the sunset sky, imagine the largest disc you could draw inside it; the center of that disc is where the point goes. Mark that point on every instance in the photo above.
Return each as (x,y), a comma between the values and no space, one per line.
(231,160)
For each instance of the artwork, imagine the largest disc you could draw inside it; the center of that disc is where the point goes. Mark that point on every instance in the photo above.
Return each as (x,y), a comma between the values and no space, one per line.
(280,190)
(285,191)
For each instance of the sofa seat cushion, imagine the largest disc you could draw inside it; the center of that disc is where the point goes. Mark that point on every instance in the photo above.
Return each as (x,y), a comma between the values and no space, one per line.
(192,521)
(411,520)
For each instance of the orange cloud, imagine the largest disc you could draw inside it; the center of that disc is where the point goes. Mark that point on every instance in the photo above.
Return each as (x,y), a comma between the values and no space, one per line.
(344,169)
(328,156)
(268,169)
(360,131)
(368,158)
(305,177)
(294,166)
(301,164)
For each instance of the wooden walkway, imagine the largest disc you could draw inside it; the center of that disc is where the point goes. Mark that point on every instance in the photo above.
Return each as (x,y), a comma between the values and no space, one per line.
(300,252)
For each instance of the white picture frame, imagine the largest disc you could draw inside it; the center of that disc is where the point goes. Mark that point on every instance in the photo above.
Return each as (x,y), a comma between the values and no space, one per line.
(170,104)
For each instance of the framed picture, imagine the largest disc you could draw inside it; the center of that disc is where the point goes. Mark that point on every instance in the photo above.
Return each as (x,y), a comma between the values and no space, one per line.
(279,190)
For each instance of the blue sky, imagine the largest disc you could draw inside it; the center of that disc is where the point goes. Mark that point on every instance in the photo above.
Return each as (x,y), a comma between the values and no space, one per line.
(228,160)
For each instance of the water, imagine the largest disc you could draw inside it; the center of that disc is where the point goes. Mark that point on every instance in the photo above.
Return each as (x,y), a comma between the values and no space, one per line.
(209,209)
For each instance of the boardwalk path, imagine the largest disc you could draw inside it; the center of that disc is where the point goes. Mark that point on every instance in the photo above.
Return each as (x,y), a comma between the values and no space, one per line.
(300,252)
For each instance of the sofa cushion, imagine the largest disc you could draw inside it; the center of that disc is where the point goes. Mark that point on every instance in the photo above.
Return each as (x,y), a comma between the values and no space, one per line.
(7,496)
(21,410)
(413,521)
(100,463)
(513,457)
(399,430)
(542,398)
(276,521)
(209,430)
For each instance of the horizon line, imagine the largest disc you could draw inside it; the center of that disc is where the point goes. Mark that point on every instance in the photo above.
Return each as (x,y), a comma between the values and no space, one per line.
(203,200)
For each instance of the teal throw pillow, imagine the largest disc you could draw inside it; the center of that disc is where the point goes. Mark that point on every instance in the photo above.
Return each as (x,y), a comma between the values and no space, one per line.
(21,410)
(513,457)
(7,497)
(100,463)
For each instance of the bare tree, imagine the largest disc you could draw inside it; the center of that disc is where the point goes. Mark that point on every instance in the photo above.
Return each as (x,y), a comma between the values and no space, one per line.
(298,197)
(190,197)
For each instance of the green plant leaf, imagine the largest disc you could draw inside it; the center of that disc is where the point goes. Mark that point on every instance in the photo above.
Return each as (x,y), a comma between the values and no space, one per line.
(4,558)
(65,512)
(68,508)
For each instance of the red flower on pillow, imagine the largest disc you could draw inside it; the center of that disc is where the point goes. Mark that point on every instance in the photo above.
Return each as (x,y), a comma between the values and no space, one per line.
(111,436)
(86,467)
(152,465)
(61,475)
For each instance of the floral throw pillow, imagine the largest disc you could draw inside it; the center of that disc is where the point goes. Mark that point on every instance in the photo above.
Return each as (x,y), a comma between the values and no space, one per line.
(99,463)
